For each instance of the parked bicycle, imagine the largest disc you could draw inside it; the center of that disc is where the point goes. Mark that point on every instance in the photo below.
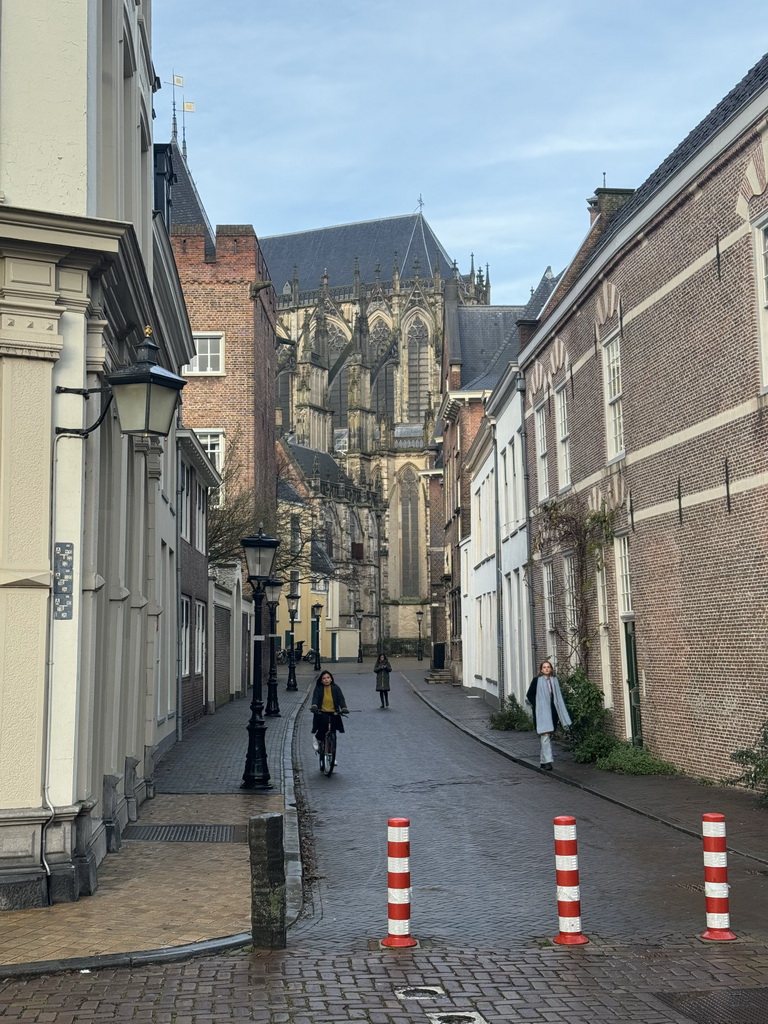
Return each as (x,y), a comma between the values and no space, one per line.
(310,655)
(282,656)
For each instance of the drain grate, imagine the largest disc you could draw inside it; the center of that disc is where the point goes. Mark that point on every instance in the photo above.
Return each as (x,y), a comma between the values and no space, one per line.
(420,992)
(721,1006)
(460,1017)
(187,833)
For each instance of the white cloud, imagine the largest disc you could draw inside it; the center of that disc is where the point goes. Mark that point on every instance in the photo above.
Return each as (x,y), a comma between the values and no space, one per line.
(504,117)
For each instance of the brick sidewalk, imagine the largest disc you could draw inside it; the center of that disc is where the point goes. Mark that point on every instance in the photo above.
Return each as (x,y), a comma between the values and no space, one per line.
(164,895)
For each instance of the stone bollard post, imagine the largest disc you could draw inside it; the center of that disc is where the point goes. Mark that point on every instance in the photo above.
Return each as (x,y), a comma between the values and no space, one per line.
(265,840)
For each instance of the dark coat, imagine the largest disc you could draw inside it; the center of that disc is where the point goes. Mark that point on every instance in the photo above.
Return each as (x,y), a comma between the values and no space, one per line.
(382,670)
(339,707)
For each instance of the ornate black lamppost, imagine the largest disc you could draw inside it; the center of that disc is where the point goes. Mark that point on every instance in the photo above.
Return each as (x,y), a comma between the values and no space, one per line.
(260,553)
(316,612)
(293,608)
(359,617)
(419,649)
(272,588)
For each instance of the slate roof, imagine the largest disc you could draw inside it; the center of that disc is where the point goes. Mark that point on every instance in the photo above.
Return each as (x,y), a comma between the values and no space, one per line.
(328,467)
(334,249)
(754,82)
(539,295)
(186,205)
(488,340)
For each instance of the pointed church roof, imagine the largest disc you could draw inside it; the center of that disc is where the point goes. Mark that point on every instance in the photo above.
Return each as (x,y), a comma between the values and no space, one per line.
(333,250)
(186,205)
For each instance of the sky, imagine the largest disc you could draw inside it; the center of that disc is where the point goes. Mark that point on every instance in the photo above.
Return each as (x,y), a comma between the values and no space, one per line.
(501,116)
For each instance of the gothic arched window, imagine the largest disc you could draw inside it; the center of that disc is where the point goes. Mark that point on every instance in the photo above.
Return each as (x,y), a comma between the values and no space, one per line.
(418,371)
(409,534)
(383,384)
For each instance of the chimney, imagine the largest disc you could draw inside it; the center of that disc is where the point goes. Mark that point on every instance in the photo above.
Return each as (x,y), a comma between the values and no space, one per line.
(606,201)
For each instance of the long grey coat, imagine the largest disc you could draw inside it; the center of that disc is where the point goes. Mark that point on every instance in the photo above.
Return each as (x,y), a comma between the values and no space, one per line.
(548,709)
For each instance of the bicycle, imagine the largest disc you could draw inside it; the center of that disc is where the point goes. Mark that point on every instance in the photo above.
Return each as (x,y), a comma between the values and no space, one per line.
(310,655)
(282,656)
(327,747)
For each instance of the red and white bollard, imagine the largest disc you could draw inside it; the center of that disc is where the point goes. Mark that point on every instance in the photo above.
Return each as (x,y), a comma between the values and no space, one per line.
(398,884)
(568,896)
(716,879)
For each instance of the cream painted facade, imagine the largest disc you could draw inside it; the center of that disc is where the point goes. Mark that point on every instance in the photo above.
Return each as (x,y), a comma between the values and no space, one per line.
(88,531)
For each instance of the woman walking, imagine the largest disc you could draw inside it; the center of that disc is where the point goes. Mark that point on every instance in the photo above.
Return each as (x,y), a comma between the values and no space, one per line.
(382,668)
(549,710)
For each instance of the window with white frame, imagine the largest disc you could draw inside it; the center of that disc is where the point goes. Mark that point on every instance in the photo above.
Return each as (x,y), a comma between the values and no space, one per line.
(623,575)
(563,440)
(201,619)
(614,412)
(185,510)
(549,606)
(569,578)
(212,442)
(184,631)
(762,244)
(209,355)
(602,598)
(201,518)
(542,473)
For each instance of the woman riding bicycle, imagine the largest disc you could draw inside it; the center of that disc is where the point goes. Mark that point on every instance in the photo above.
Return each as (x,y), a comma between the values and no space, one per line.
(327,707)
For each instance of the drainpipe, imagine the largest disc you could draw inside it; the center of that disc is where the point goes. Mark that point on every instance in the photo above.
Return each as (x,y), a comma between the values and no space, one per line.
(520,387)
(46,766)
(499,576)
(179,653)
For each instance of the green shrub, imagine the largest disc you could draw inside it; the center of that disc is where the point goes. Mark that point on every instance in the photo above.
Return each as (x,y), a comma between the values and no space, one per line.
(585,705)
(511,716)
(626,759)
(754,762)
(594,746)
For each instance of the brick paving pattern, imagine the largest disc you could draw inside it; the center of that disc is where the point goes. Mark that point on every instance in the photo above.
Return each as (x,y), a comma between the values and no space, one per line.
(483,879)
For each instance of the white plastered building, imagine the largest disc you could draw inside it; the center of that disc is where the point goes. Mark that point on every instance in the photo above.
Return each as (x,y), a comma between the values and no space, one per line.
(88,531)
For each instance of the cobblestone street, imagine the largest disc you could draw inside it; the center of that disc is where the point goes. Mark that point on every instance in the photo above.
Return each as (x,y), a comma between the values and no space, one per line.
(484,910)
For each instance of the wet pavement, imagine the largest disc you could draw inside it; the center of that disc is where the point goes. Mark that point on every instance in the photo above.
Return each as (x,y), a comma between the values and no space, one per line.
(474,964)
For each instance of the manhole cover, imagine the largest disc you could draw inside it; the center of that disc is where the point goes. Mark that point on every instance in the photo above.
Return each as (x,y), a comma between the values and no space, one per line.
(721,1006)
(460,1017)
(187,833)
(420,992)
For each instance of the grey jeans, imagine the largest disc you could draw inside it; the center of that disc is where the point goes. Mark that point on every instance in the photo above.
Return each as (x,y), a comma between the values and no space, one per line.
(546,748)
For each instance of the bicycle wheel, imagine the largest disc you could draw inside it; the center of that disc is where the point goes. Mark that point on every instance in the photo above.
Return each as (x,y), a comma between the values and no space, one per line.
(330,753)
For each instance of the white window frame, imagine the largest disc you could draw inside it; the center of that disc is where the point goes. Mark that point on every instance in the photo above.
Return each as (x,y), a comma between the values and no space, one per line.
(761,260)
(201,517)
(185,511)
(542,463)
(602,598)
(614,399)
(563,438)
(624,576)
(548,587)
(209,350)
(213,442)
(185,612)
(201,625)
(569,580)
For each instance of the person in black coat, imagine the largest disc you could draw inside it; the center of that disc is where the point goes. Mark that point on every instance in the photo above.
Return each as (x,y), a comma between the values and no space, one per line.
(382,668)
(327,707)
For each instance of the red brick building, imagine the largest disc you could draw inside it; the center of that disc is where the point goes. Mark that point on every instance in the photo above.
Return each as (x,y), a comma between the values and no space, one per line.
(646,394)
(229,399)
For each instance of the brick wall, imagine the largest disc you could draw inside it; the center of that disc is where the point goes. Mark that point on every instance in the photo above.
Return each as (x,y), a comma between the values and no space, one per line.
(689,337)
(218,296)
